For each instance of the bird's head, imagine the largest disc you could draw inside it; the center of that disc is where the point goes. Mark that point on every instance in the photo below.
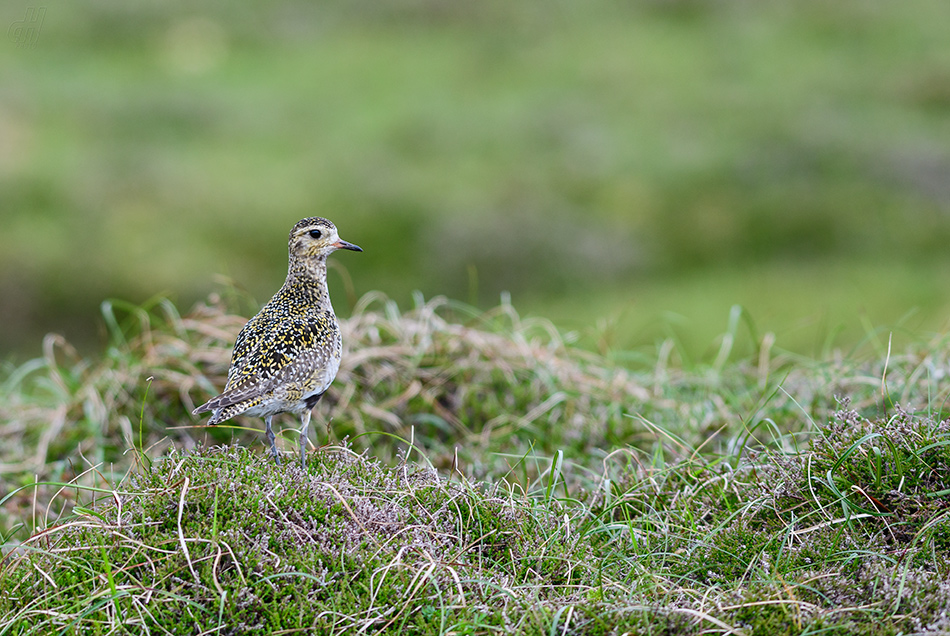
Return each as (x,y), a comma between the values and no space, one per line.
(315,238)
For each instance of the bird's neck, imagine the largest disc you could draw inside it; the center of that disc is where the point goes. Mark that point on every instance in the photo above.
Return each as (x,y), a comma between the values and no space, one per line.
(310,277)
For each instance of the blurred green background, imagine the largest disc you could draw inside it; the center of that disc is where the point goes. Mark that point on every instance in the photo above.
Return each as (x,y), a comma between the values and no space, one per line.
(628,169)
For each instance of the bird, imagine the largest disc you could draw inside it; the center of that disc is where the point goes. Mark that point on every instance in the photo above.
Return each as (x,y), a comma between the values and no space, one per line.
(287,355)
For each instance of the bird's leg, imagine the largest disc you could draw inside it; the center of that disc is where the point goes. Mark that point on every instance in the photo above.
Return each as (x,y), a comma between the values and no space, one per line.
(270,436)
(305,420)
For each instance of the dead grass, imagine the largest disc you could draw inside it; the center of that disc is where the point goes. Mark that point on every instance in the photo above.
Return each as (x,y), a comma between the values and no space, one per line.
(461,384)
(485,393)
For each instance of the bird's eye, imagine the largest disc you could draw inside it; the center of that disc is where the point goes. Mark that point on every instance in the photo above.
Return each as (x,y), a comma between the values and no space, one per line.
(315,234)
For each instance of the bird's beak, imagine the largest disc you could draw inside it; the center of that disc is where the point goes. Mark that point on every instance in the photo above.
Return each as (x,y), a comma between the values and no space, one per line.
(344,245)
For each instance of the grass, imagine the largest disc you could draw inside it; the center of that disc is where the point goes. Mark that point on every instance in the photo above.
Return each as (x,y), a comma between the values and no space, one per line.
(348,544)
(482,475)
(643,142)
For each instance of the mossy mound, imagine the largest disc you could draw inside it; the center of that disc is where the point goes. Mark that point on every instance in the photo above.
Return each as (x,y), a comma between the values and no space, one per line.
(224,534)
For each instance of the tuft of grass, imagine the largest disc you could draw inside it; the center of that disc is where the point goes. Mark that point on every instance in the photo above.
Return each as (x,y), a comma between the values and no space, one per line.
(222,539)
(847,534)
(492,478)
(456,381)
(490,394)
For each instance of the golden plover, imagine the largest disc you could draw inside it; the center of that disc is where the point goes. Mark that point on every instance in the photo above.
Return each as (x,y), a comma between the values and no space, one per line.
(287,355)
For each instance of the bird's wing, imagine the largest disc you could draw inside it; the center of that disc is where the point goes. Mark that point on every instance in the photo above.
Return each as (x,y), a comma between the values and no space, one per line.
(243,382)
(274,352)
(317,342)
(248,389)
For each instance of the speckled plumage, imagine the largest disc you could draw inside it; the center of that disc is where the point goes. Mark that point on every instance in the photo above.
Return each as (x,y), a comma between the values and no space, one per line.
(287,355)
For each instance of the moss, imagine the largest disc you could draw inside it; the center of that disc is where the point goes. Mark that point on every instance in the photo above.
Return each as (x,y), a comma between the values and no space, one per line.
(279,548)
